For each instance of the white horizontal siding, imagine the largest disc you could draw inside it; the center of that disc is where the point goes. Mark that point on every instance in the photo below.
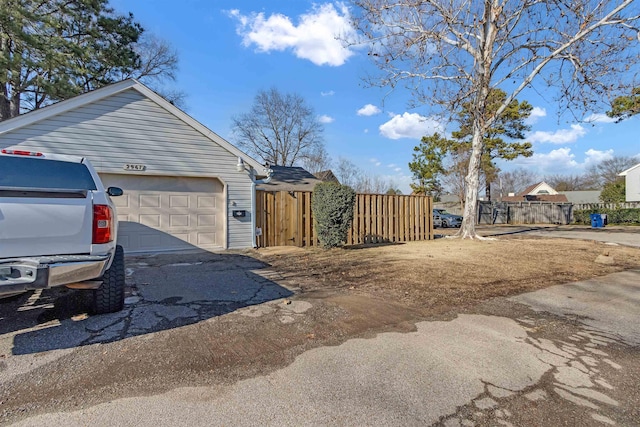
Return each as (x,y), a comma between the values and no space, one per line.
(129,128)
(633,185)
(240,229)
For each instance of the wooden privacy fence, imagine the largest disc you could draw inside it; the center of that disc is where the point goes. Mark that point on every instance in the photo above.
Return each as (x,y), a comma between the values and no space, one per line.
(524,213)
(285,219)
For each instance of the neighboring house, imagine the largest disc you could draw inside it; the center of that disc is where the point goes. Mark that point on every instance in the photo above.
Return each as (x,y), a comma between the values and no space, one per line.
(290,178)
(540,192)
(185,186)
(632,183)
(581,197)
(449,198)
(327,176)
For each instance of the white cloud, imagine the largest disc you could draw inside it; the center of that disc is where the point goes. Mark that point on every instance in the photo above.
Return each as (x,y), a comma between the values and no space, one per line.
(391,165)
(596,156)
(329,93)
(562,160)
(326,119)
(366,131)
(536,113)
(599,118)
(555,161)
(375,161)
(314,38)
(368,110)
(397,169)
(561,136)
(410,125)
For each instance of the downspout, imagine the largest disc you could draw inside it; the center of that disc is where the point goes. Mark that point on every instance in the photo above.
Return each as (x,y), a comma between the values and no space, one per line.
(254,182)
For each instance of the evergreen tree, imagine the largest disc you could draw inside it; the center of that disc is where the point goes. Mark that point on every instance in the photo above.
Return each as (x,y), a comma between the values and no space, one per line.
(51,50)
(511,124)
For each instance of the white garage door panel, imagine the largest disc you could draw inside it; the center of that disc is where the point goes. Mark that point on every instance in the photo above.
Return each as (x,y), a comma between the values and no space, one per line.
(168,213)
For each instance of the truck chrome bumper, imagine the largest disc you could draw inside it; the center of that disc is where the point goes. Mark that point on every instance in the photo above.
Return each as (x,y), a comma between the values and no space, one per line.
(19,275)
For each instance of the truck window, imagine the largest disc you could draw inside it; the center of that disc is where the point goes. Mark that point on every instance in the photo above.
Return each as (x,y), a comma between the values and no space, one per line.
(28,172)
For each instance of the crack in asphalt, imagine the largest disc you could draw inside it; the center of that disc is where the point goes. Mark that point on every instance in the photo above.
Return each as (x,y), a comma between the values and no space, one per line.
(147,316)
(588,390)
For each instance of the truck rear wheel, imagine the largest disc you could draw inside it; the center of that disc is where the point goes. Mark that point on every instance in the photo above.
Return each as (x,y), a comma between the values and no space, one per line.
(109,297)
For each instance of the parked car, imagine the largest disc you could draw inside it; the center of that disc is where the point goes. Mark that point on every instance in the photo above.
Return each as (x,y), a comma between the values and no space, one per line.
(58,227)
(437,222)
(447,219)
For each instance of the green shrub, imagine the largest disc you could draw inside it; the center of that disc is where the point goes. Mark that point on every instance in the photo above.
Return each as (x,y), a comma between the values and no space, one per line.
(332,206)
(614,216)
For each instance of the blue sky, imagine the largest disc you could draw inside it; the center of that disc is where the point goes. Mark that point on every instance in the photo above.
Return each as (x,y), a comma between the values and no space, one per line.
(229,50)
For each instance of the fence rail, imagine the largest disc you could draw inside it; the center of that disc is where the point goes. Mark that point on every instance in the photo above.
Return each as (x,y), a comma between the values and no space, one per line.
(285,219)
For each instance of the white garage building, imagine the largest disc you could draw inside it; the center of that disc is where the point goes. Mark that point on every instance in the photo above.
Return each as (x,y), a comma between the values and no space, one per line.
(184,185)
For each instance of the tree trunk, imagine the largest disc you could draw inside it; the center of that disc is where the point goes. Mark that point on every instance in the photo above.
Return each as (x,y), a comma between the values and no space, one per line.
(468,227)
(15,105)
(487,189)
(5,104)
(482,87)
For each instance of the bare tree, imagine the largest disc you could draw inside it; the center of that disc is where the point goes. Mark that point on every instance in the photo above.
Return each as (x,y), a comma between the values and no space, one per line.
(449,52)
(454,179)
(157,65)
(351,175)
(317,161)
(374,184)
(606,172)
(569,182)
(348,173)
(516,180)
(281,129)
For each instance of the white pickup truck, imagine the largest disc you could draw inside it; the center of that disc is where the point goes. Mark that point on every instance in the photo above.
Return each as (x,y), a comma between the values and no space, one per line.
(58,227)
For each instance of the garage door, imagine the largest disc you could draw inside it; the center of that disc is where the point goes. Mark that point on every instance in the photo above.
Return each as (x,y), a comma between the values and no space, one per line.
(159,213)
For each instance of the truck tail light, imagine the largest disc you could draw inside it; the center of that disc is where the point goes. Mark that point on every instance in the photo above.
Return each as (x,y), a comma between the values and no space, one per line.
(22,153)
(103,225)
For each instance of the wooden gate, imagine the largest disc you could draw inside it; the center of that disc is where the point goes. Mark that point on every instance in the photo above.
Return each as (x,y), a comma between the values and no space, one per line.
(285,219)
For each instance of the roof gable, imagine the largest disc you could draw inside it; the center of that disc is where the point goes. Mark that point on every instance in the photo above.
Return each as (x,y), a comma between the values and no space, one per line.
(632,168)
(540,188)
(113,89)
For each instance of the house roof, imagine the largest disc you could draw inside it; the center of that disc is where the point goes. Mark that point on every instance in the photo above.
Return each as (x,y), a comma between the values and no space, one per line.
(112,89)
(536,198)
(625,172)
(290,178)
(533,189)
(529,195)
(327,176)
(528,190)
(586,196)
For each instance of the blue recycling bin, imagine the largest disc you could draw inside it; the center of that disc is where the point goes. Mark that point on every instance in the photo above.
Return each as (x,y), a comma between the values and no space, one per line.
(596,220)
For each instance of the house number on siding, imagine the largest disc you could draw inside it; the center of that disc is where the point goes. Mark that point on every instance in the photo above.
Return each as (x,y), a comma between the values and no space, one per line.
(134,167)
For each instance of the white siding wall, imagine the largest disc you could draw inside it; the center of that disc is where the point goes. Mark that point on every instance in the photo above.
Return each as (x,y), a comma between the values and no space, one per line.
(129,128)
(633,185)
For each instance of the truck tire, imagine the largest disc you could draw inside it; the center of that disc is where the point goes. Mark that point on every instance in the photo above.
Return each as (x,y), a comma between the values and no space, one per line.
(109,297)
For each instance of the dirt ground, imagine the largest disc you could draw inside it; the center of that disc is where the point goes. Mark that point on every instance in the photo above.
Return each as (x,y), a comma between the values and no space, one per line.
(438,276)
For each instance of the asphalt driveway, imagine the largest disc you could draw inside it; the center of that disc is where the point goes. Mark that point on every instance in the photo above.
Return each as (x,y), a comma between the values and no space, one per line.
(163,292)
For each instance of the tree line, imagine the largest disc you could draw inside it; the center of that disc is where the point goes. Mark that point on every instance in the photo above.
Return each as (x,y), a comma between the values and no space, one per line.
(52,50)
(440,163)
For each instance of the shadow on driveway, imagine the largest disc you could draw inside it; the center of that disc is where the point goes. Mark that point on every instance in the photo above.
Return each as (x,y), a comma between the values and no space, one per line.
(164,292)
